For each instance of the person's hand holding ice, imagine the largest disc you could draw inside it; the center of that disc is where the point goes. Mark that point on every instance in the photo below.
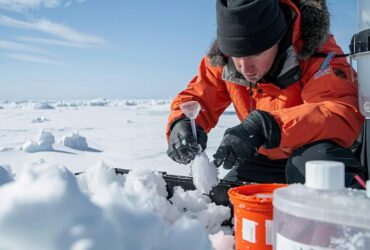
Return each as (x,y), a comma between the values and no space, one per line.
(186,138)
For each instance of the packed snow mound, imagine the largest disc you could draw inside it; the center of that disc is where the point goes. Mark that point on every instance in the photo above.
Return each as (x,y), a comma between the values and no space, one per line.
(43,142)
(147,190)
(6,174)
(45,209)
(42,105)
(97,177)
(40,119)
(62,217)
(98,102)
(75,141)
(205,173)
(150,189)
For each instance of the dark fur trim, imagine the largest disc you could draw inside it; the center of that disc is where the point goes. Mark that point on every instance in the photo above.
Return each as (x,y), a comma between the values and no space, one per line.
(315,25)
(216,56)
(315,30)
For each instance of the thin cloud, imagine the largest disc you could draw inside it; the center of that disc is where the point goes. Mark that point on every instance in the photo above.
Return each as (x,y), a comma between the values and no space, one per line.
(8,45)
(33,58)
(365,16)
(58,30)
(24,5)
(52,42)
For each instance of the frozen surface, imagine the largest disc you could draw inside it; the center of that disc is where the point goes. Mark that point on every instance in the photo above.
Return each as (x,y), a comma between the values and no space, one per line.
(45,206)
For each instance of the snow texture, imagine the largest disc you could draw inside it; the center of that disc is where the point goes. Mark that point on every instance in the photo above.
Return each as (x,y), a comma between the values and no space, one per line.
(63,217)
(43,142)
(205,173)
(6,174)
(44,206)
(75,141)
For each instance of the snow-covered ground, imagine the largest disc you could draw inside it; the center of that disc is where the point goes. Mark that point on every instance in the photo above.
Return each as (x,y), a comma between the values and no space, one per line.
(44,206)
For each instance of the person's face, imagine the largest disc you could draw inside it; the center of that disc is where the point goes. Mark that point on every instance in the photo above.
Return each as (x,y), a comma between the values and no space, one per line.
(254,67)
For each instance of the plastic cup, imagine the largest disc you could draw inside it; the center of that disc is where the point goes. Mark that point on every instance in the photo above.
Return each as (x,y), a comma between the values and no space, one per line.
(191,110)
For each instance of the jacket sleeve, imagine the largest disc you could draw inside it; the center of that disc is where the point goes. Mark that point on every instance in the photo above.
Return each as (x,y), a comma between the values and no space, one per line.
(209,90)
(329,110)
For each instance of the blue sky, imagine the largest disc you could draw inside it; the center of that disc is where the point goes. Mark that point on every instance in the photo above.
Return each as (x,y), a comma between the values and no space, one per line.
(67,49)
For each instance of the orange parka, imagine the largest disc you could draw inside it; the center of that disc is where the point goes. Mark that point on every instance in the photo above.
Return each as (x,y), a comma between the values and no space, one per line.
(322,103)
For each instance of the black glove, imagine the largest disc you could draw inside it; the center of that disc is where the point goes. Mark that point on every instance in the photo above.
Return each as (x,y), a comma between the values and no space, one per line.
(182,146)
(240,143)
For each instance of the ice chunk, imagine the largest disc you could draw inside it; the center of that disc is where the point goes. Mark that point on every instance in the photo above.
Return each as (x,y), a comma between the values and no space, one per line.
(39,119)
(205,173)
(222,241)
(192,200)
(43,142)
(75,141)
(98,102)
(43,105)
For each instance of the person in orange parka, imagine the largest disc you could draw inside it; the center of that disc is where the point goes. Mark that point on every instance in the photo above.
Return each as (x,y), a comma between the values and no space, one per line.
(277,63)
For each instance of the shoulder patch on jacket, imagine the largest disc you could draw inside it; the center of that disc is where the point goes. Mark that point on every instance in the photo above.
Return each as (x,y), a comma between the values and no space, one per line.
(325,66)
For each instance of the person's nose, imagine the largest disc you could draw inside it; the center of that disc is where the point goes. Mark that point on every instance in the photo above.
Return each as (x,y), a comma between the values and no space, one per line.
(245,65)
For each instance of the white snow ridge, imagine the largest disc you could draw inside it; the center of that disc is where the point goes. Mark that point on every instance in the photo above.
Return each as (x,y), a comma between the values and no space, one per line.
(75,141)
(43,142)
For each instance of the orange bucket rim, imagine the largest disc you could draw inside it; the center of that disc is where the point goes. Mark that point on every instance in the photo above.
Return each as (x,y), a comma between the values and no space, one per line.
(248,193)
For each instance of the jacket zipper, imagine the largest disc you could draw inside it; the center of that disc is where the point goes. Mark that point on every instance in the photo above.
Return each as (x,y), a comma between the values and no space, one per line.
(251,85)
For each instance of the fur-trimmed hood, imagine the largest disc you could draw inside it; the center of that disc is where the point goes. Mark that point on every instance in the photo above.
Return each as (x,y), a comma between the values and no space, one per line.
(314,30)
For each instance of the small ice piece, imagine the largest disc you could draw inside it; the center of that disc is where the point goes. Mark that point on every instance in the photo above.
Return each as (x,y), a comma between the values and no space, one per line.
(205,173)
(43,142)
(98,102)
(39,119)
(75,141)
(222,241)
(43,105)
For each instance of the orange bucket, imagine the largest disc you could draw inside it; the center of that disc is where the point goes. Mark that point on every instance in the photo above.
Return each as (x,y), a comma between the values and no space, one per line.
(253,216)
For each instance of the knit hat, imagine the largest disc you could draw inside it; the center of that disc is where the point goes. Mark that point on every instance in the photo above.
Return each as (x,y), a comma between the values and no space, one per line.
(247,27)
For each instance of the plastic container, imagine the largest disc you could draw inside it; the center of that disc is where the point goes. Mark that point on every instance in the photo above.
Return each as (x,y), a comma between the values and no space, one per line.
(322,214)
(363,60)
(253,216)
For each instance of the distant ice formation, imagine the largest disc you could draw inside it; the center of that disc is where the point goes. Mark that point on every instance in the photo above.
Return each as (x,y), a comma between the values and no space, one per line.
(43,142)
(75,141)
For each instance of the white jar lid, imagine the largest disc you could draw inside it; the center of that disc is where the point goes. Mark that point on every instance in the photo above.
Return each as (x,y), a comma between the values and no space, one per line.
(325,175)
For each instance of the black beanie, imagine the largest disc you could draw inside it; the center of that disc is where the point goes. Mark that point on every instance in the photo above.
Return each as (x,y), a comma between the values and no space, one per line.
(247,27)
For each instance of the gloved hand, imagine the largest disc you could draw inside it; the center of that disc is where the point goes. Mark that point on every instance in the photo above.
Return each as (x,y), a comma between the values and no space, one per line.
(240,143)
(182,146)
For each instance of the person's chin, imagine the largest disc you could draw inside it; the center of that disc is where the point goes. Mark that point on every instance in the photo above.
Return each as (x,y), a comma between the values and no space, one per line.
(254,78)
